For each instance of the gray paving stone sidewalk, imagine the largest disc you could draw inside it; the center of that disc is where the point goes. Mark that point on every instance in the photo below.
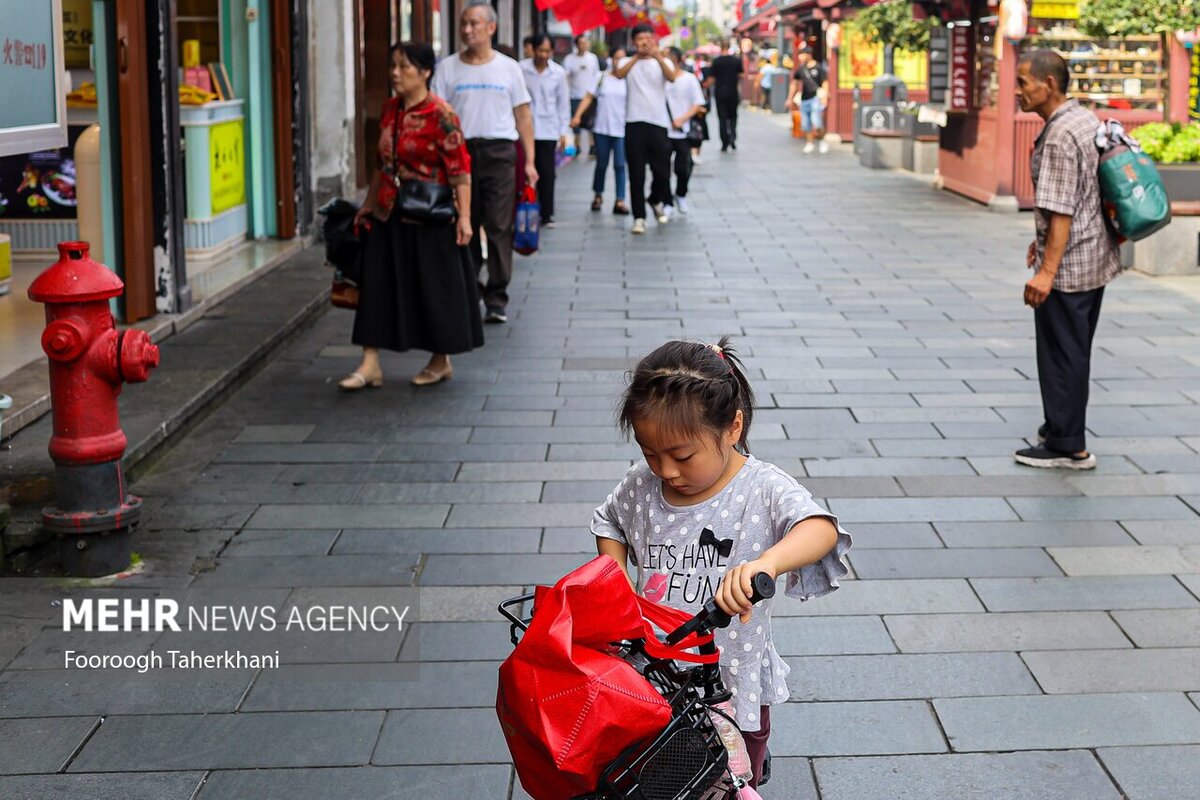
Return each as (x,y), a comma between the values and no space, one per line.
(1007,634)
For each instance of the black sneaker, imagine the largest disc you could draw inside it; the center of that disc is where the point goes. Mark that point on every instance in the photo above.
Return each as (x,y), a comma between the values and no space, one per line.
(547,222)
(1045,458)
(495,316)
(766,772)
(1041,434)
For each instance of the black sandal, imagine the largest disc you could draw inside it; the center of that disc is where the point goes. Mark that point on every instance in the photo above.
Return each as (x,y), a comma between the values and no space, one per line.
(620,209)
(597,203)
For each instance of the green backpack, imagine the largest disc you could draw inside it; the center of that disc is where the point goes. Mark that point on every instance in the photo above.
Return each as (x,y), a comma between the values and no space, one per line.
(1135,199)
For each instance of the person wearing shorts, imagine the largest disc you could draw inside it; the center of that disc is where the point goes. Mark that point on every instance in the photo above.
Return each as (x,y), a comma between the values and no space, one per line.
(810,82)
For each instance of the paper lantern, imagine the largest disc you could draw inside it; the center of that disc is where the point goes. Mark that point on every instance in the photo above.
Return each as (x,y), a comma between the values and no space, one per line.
(833,36)
(1014,19)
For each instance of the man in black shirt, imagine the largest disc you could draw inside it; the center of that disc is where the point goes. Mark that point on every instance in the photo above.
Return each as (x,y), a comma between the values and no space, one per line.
(811,82)
(725,77)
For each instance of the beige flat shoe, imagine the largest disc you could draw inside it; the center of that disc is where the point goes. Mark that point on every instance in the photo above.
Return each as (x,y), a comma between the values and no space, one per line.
(356,381)
(428,377)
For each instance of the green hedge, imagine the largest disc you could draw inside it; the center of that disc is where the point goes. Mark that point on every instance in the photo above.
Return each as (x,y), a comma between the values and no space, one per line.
(1169,143)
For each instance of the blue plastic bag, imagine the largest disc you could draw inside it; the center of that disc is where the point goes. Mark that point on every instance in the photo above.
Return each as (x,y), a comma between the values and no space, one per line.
(529,217)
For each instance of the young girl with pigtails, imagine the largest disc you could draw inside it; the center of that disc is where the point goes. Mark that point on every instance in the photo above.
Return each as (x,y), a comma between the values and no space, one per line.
(701,516)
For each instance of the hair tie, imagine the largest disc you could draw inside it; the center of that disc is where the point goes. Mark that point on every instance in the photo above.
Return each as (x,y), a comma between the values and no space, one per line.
(716,348)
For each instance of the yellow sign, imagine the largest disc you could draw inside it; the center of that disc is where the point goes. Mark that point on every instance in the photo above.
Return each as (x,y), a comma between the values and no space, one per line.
(1055,9)
(862,62)
(77,33)
(227,165)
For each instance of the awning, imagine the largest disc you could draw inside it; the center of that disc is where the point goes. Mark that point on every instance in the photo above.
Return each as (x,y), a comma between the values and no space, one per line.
(747,25)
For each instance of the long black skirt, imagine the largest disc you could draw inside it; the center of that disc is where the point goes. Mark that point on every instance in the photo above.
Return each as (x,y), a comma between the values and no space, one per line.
(417,290)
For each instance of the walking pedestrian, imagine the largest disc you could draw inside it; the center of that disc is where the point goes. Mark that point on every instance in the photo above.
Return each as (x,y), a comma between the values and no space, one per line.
(417,288)
(647,74)
(685,102)
(583,70)
(608,130)
(547,84)
(725,79)
(1074,254)
(810,82)
(700,517)
(488,91)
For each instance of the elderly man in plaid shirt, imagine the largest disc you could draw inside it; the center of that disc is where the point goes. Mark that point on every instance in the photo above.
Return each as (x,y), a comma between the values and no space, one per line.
(1075,255)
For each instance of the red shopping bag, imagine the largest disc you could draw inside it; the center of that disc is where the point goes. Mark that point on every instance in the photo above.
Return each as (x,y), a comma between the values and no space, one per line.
(568,707)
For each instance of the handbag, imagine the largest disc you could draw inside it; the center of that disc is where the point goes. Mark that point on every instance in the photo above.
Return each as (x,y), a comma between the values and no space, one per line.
(695,132)
(526,222)
(420,201)
(344,292)
(425,201)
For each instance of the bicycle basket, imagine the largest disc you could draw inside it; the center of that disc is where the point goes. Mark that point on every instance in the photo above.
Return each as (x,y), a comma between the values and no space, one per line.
(683,762)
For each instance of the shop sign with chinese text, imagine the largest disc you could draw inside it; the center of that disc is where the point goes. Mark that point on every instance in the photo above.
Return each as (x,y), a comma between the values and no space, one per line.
(228,165)
(962,68)
(33,106)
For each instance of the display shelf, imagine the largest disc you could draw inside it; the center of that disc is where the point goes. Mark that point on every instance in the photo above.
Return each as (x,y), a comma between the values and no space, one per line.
(1128,71)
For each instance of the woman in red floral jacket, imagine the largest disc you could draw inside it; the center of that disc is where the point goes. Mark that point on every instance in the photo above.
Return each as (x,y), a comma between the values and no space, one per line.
(418,288)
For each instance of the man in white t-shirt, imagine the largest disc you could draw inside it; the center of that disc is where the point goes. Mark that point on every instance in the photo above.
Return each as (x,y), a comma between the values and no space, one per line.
(487,90)
(583,72)
(646,75)
(547,84)
(685,101)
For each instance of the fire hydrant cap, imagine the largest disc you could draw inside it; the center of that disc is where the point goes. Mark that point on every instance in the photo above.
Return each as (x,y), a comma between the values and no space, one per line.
(75,278)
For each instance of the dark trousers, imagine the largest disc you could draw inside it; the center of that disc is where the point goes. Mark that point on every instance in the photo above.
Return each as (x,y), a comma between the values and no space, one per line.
(756,744)
(1065,325)
(681,149)
(727,108)
(543,161)
(647,145)
(493,204)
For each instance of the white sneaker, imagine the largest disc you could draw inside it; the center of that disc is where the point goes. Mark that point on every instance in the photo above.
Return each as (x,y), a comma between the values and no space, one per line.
(823,147)
(669,213)
(639,226)
(660,213)
(808,148)
(681,203)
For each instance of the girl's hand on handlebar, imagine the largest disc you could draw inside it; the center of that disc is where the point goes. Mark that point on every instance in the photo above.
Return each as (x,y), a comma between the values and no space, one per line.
(733,595)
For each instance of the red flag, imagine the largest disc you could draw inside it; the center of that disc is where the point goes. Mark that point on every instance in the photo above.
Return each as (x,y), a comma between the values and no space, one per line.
(661,26)
(583,15)
(614,18)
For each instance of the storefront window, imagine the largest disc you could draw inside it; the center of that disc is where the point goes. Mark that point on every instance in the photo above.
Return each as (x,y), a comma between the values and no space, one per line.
(1106,73)
(987,73)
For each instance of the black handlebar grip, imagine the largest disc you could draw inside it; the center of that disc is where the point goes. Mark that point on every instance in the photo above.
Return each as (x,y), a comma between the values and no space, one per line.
(763,587)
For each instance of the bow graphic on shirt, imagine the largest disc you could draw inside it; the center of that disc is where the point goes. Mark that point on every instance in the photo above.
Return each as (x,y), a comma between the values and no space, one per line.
(722,546)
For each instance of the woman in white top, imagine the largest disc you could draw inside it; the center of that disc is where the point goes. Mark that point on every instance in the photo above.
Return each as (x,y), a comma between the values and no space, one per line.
(685,101)
(547,84)
(608,132)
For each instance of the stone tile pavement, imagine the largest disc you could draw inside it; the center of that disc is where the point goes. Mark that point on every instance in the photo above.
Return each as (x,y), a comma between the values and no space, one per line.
(1009,634)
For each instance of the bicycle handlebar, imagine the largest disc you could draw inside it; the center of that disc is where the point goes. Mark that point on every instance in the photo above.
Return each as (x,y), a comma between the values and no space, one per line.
(711,616)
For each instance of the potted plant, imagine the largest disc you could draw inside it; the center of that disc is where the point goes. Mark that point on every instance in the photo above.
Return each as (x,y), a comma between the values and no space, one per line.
(1176,149)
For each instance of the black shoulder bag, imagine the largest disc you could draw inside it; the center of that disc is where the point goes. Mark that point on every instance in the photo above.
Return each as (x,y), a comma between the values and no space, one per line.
(420,201)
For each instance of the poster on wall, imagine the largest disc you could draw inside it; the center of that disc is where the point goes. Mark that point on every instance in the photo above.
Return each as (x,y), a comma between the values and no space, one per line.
(1194,84)
(862,62)
(33,103)
(227,168)
(40,185)
(77,33)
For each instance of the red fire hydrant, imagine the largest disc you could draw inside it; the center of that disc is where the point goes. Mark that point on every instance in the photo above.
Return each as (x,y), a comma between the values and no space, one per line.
(89,360)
